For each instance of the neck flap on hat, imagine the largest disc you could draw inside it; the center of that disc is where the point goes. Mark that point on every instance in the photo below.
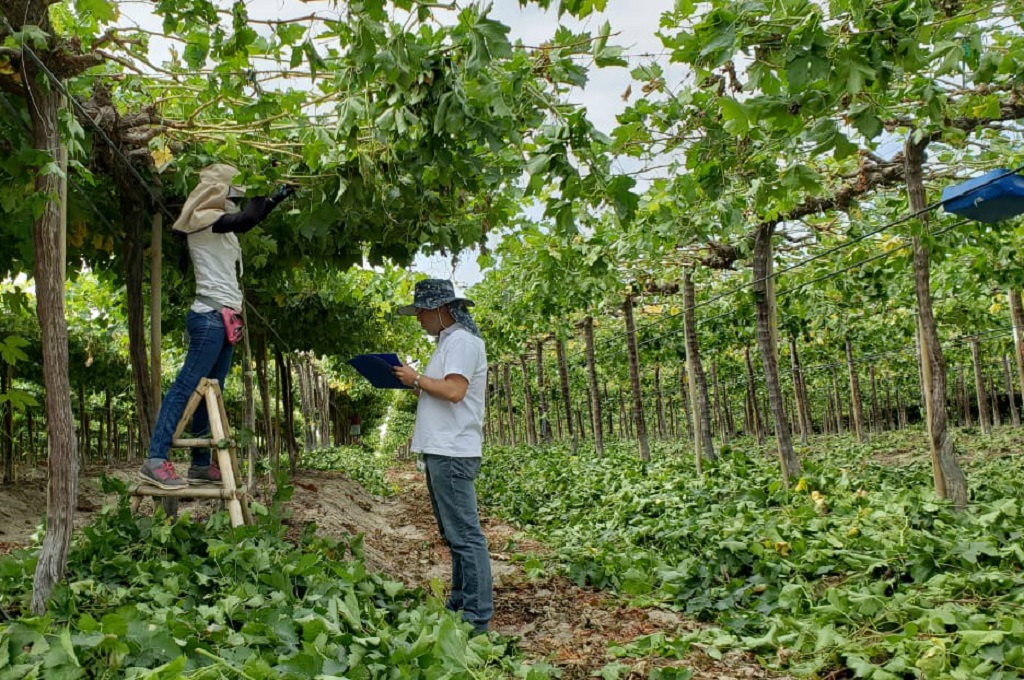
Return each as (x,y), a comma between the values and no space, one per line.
(461,316)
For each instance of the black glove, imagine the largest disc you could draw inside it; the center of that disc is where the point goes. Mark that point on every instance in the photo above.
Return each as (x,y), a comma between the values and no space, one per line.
(282,192)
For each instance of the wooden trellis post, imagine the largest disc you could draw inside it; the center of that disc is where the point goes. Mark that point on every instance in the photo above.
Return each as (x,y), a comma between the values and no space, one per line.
(220,441)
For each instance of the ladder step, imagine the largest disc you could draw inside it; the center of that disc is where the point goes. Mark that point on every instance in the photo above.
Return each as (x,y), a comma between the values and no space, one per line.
(203,443)
(188,492)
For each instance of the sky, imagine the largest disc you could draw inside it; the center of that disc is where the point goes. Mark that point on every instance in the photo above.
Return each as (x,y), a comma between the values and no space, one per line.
(634,26)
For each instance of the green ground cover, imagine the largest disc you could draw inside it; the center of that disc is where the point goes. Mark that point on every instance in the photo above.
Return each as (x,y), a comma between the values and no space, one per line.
(148,598)
(857,567)
(358,462)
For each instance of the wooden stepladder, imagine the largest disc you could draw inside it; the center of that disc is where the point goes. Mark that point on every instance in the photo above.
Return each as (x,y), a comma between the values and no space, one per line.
(220,442)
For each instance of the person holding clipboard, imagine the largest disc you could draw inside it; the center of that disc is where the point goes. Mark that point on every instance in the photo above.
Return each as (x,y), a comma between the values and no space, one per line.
(449,436)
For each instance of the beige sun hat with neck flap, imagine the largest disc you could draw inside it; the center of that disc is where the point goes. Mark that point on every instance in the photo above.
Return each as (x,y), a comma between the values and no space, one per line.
(209,200)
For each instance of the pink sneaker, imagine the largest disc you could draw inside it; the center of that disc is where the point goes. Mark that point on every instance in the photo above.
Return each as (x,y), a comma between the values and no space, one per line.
(204,474)
(161,473)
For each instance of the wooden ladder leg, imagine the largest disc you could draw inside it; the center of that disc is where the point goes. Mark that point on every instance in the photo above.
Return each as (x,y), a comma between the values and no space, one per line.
(190,408)
(232,454)
(217,432)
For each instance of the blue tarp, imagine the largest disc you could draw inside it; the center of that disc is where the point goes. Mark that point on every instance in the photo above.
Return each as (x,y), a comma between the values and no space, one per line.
(996,195)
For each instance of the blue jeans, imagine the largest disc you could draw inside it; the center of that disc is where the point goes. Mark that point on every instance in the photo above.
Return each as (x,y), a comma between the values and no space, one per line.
(453,499)
(209,356)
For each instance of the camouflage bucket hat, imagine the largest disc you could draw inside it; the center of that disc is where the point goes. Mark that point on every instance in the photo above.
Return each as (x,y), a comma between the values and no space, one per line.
(431,294)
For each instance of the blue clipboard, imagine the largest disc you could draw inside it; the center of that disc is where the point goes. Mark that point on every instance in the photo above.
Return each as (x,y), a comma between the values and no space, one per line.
(377,369)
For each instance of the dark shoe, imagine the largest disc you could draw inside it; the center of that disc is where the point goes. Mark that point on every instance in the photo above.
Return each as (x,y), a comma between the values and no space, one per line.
(204,474)
(478,628)
(160,472)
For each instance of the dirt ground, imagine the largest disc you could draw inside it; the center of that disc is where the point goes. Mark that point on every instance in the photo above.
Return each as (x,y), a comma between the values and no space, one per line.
(549,618)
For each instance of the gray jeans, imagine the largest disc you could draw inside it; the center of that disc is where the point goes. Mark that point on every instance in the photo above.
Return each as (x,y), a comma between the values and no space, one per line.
(453,499)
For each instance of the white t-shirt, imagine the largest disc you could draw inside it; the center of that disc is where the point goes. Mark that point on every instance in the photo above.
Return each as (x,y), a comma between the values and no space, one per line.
(447,429)
(215,258)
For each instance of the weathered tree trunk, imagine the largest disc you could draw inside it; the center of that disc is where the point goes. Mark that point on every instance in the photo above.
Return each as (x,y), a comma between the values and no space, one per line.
(703,444)
(563,380)
(659,403)
(317,396)
(730,424)
(275,453)
(135,220)
(156,251)
(997,416)
(590,414)
(963,406)
(288,404)
(558,417)
(752,408)
(595,397)
(542,395)
(303,369)
(1017,318)
(498,405)
(723,431)
(341,421)
(901,409)
(531,426)
(506,378)
(748,414)
(950,481)
(828,422)
(610,411)
(634,379)
(1014,412)
(7,445)
(101,452)
(670,416)
(263,385)
(856,404)
(107,421)
(324,413)
(325,387)
(684,397)
(888,421)
(130,438)
(803,409)
(624,428)
(979,388)
(838,406)
(769,425)
(489,411)
(764,301)
(108,417)
(48,272)
(287,436)
(920,373)
(81,417)
(83,452)
(876,415)
(250,403)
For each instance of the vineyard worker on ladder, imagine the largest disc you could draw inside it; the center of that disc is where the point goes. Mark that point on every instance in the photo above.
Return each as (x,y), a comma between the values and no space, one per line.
(210,221)
(449,436)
